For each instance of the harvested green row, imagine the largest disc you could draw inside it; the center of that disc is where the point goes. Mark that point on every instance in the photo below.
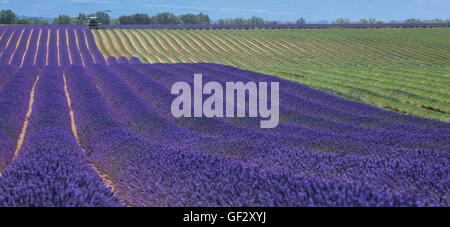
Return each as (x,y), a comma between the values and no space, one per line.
(405,70)
(398,96)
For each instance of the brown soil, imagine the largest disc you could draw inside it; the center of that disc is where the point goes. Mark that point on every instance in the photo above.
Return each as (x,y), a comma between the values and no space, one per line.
(164,46)
(148,50)
(174,46)
(115,42)
(200,56)
(235,51)
(217,51)
(106,44)
(150,40)
(135,47)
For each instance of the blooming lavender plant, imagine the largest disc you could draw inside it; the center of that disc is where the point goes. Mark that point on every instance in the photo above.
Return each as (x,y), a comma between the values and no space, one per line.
(51,169)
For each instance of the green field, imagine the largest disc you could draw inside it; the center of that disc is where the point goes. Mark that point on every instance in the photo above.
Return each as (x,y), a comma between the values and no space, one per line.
(404,70)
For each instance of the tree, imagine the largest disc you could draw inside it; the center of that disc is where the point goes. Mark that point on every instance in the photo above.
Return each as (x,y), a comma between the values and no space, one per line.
(141,18)
(372,21)
(204,18)
(165,18)
(255,20)
(103,17)
(363,21)
(341,20)
(23,21)
(413,21)
(238,20)
(7,17)
(300,21)
(82,18)
(125,20)
(271,22)
(62,19)
(43,22)
(135,19)
(190,19)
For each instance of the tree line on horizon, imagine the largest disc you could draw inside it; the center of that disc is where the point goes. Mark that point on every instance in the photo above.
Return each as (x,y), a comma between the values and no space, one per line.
(9,17)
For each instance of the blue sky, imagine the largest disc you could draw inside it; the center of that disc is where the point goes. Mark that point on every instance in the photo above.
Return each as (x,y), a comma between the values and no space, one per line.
(280,10)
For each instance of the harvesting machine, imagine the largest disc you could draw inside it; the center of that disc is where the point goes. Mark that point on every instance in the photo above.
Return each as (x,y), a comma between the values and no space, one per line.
(93,23)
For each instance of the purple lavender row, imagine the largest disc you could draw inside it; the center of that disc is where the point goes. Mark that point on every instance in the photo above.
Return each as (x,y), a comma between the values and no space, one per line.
(409,138)
(135,112)
(6,72)
(73,49)
(160,99)
(123,60)
(142,119)
(334,101)
(307,104)
(53,47)
(391,158)
(289,108)
(84,51)
(14,97)
(363,141)
(135,60)
(296,161)
(6,56)
(31,51)
(112,60)
(116,89)
(165,79)
(273,26)
(50,169)
(97,55)
(63,50)
(298,137)
(9,32)
(41,58)
(146,174)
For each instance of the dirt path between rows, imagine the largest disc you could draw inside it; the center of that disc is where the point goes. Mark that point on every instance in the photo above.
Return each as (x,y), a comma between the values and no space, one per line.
(135,48)
(198,55)
(237,52)
(125,44)
(164,46)
(106,43)
(174,46)
(154,45)
(208,43)
(144,44)
(115,42)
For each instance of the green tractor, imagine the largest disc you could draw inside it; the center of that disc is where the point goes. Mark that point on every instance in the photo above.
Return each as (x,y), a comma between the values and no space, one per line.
(93,23)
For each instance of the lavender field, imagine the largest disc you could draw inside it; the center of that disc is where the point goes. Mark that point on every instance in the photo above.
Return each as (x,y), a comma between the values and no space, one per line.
(79,129)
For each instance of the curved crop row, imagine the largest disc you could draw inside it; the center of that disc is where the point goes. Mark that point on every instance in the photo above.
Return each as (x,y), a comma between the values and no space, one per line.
(50,169)
(172,178)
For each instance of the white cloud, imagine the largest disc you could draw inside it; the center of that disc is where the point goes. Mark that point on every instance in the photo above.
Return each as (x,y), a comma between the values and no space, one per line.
(6,2)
